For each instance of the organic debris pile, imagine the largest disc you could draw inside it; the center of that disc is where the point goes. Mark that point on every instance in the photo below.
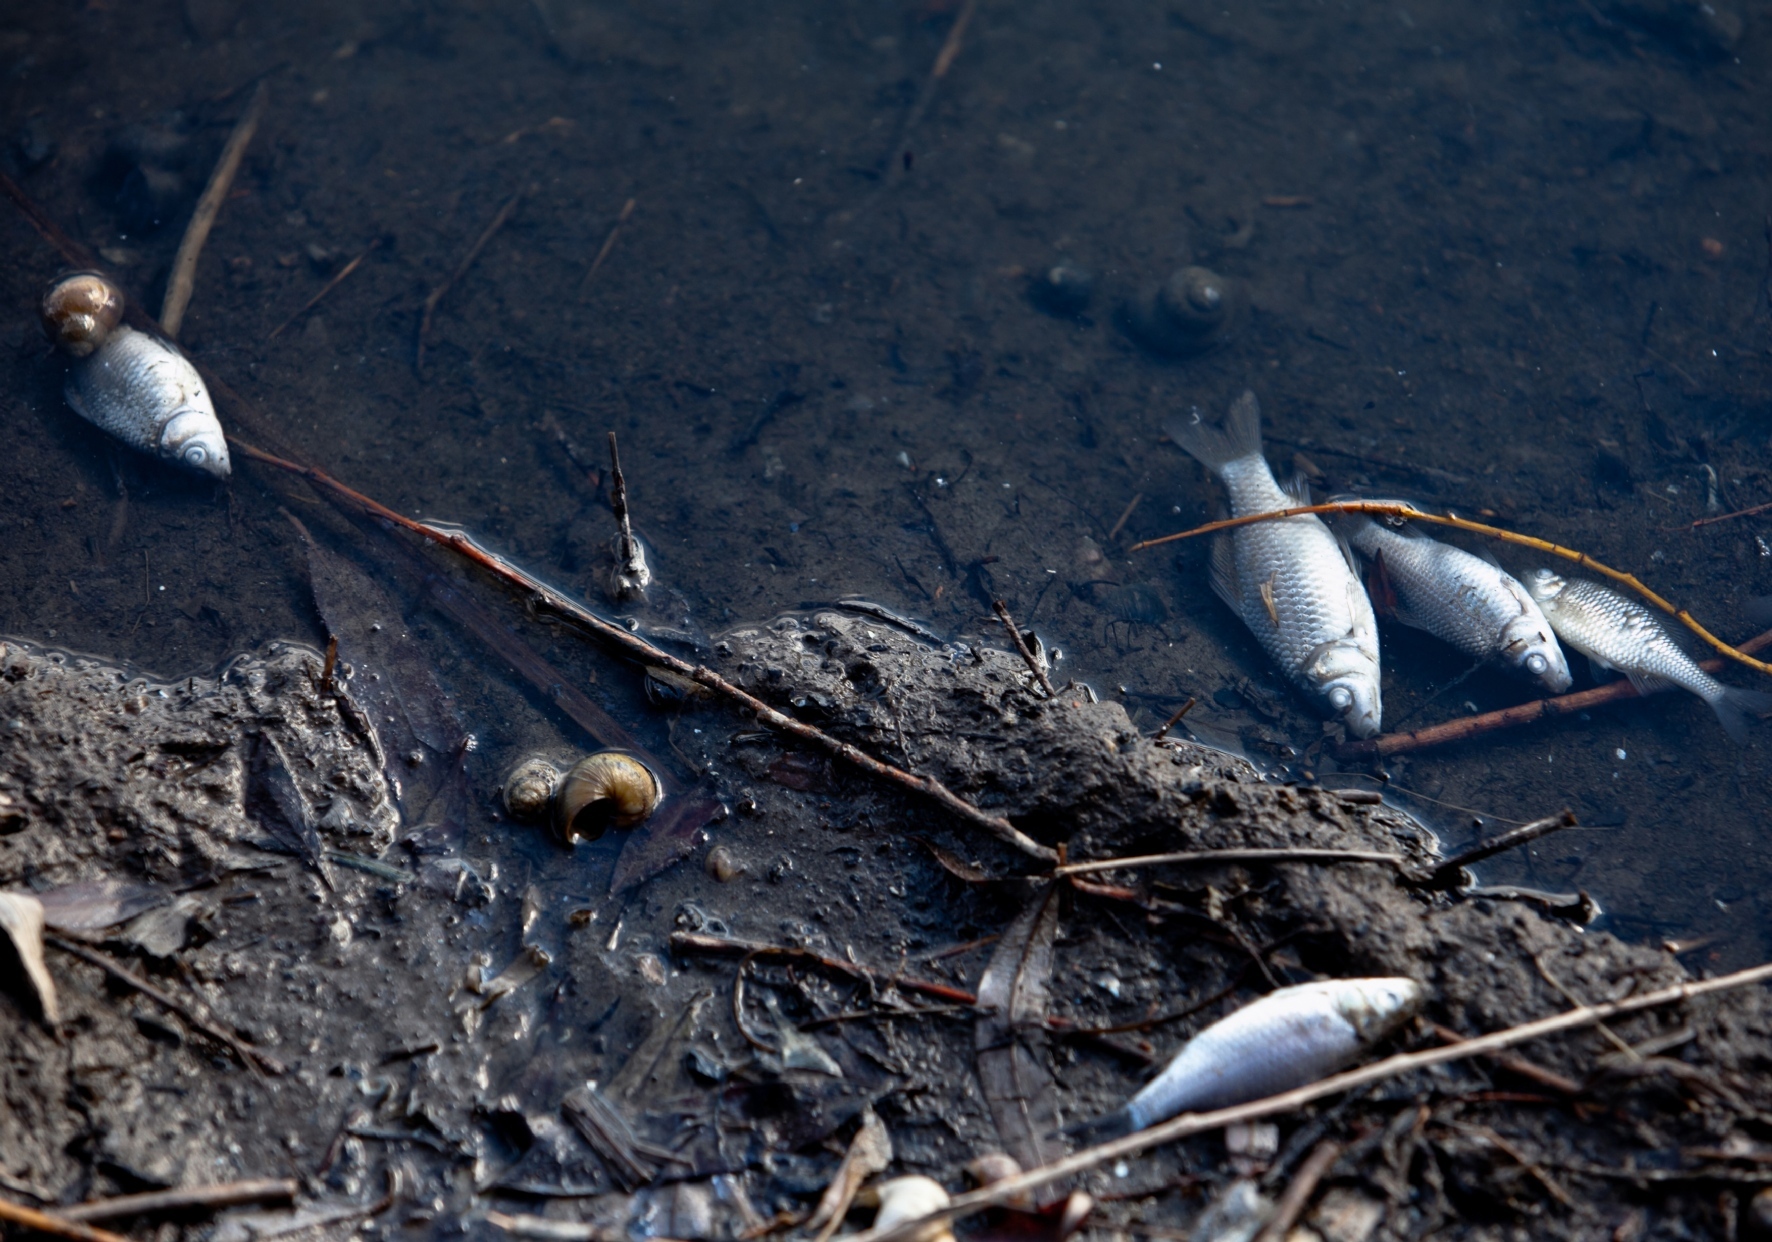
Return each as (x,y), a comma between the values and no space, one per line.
(600,1069)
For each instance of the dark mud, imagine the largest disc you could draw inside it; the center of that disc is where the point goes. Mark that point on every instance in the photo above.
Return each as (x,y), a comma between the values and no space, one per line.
(1507,261)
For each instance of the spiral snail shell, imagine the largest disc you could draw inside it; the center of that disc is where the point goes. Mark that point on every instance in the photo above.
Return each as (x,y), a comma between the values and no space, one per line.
(1186,314)
(80,311)
(529,790)
(610,789)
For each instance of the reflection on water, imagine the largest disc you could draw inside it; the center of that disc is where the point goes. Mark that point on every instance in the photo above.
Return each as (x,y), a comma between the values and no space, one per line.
(1510,263)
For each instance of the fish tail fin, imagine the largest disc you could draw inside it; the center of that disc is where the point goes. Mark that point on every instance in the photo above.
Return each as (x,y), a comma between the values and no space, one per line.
(1733,708)
(1112,1125)
(1215,447)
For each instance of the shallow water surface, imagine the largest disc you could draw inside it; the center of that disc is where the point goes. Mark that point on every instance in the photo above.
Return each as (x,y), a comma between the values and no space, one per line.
(1512,263)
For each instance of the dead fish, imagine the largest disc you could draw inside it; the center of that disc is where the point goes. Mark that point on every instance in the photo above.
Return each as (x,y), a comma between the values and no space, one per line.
(1616,632)
(136,386)
(1286,1039)
(1462,599)
(1290,580)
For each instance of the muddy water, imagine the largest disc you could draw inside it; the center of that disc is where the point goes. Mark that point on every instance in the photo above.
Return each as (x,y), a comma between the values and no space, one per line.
(1508,262)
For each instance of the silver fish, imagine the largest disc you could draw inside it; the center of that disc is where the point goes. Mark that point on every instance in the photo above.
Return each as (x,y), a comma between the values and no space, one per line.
(1462,599)
(1616,632)
(1290,580)
(147,394)
(1287,1039)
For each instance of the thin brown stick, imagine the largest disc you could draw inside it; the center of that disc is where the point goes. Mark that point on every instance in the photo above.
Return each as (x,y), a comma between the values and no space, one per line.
(1446,874)
(627,210)
(461,269)
(249,1056)
(547,597)
(1174,720)
(1125,516)
(1298,1195)
(224,1194)
(1022,648)
(950,48)
(1413,514)
(1379,1071)
(1212,857)
(1523,713)
(44,1222)
(749,950)
(1724,517)
(184,266)
(330,285)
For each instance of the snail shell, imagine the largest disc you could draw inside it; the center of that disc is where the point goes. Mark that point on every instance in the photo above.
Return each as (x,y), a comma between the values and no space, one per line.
(610,789)
(80,311)
(529,790)
(1186,314)
(1062,290)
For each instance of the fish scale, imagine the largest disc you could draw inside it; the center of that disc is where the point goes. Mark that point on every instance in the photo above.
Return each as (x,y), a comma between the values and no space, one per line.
(1290,579)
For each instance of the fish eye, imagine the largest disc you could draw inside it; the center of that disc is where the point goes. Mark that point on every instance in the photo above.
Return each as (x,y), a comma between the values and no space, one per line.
(1536,664)
(195,455)
(1341,698)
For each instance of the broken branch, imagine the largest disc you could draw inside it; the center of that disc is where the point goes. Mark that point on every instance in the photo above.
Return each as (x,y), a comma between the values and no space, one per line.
(1410,512)
(43,1222)
(224,1194)
(1022,648)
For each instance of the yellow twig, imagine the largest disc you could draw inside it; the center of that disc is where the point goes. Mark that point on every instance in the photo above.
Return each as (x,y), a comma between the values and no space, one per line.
(1388,509)
(184,266)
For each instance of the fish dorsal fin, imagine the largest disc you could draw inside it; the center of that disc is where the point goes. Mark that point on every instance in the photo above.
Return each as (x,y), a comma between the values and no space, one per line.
(1224,573)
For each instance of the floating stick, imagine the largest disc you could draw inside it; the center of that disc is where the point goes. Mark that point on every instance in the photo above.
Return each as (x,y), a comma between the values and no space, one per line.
(1410,512)
(184,267)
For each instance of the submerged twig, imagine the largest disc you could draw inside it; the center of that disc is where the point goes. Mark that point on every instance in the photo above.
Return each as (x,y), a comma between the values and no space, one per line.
(1522,713)
(249,1056)
(1125,516)
(1724,517)
(1411,513)
(184,266)
(546,596)
(327,288)
(461,269)
(1379,1071)
(1022,648)
(1298,1194)
(627,210)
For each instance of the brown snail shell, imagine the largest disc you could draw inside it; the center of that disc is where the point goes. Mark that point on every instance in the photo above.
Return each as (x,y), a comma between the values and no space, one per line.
(1186,314)
(610,789)
(529,790)
(80,310)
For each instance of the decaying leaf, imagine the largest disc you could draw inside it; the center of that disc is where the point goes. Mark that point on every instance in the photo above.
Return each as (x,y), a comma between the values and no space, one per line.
(870,1152)
(610,1135)
(93,905)
(21,917)
(663,841)
(1013,998)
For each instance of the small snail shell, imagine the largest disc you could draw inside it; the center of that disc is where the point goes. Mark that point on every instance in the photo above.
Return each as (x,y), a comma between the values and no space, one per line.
(1062,290)
(1185,314)
(80,310)
(907,1198)
(610,789)
(529,789)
